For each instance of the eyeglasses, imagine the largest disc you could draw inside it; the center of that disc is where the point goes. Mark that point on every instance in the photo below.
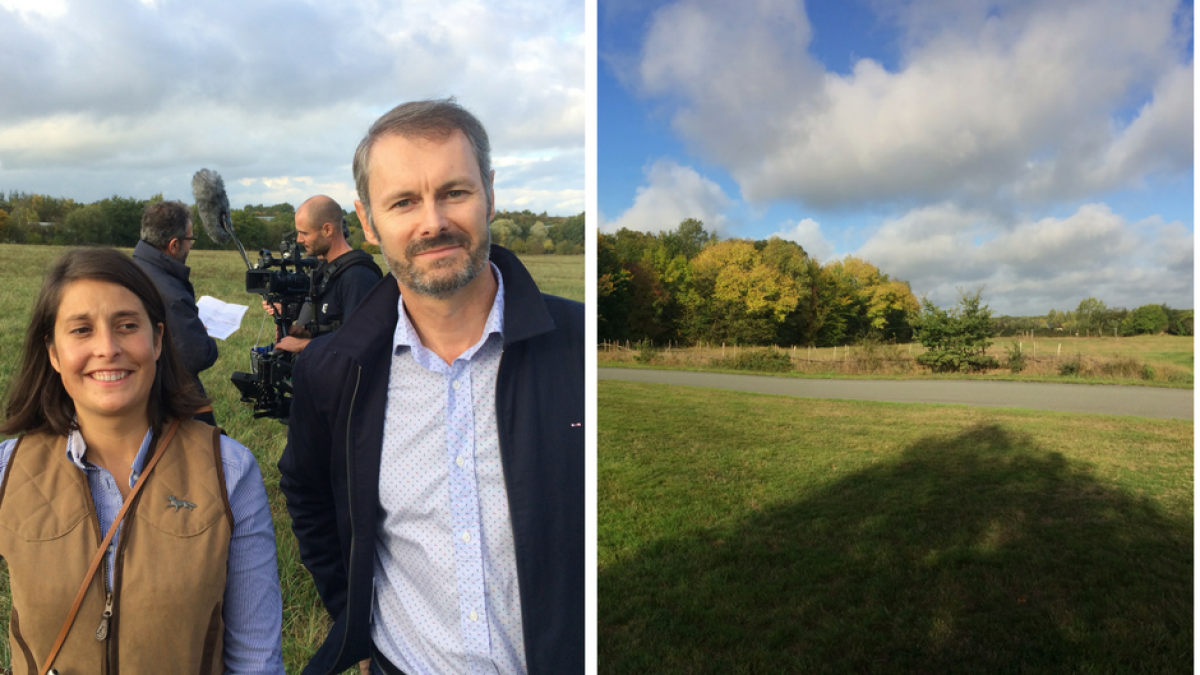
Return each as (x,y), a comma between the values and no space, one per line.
(187,238)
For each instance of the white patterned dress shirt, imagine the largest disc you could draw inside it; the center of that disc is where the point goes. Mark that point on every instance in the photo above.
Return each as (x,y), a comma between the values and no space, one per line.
(446,597)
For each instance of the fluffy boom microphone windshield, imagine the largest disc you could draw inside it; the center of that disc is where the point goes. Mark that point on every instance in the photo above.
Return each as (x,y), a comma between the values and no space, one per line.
(213,205)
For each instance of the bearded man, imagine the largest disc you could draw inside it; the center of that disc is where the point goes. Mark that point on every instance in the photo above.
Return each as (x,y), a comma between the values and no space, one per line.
(434,470)
(342,280)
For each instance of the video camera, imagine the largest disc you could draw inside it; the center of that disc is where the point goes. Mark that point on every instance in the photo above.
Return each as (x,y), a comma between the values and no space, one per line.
(287,283)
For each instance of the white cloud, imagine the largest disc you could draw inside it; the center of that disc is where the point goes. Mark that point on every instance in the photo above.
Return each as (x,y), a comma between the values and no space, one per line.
(1023,101)
(1029,266)
(674,193)
(51,9)
(115,95)
(737,64)
(808,234)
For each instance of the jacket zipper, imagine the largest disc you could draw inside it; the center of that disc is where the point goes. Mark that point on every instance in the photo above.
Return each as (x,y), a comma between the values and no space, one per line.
(112,652)
(108,594)
(350,512)
(102,629)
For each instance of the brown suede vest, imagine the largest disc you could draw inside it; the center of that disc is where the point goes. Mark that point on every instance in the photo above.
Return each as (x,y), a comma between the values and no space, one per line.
(169,575)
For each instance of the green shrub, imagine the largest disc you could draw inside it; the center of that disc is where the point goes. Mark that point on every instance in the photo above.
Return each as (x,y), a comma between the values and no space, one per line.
(1071,367)
(1147,372)
(763,360)
(955,362)
(647,353)
(1016,357)
(956,340)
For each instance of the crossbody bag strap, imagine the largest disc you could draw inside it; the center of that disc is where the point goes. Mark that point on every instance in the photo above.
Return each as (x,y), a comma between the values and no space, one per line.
(112,530)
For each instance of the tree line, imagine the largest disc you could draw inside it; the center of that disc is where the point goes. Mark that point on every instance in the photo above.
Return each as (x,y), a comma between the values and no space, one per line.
(688,286)
(528,233)
(1095,318)
(27,218)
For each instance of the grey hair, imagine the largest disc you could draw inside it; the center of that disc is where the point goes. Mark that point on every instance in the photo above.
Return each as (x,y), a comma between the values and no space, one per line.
(164,221)
(431,119)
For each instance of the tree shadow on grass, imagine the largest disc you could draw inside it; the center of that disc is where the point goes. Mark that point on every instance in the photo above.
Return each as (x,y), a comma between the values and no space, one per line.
(981,553)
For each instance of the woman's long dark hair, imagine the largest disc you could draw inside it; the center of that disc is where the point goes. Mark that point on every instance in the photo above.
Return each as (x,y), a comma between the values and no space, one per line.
(38,401)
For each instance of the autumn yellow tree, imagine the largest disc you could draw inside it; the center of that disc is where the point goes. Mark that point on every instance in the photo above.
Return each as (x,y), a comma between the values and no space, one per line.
(736,296)
(875,303)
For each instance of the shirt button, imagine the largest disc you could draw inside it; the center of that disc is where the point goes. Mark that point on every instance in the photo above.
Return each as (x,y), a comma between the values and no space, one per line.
(459,461)
(456,384)
(467,536)
(473,615)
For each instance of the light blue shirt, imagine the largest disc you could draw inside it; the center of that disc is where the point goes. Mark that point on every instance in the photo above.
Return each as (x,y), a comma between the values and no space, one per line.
(253,608)
(446,595)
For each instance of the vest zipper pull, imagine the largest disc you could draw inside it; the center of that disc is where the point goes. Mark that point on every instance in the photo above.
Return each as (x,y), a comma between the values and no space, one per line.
(102,629)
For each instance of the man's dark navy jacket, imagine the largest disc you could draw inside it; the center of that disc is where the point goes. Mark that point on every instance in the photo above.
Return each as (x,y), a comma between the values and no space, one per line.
(193,344)
(330,467)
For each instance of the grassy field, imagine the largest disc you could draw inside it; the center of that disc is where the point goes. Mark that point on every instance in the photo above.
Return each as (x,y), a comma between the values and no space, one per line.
(1154,360)
(743,533)
(221,274)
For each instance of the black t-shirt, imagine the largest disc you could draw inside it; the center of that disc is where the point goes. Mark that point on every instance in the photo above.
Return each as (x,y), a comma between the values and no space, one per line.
(348,286)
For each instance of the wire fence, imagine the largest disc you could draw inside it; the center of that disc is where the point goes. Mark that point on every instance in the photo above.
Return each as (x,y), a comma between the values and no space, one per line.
(1030,358)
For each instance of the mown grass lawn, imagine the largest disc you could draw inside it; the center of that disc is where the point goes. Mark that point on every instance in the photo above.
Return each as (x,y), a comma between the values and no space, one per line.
(221,274)
(743,533)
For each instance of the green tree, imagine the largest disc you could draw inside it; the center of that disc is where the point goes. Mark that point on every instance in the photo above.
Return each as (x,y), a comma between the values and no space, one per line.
(252,231)
(502,232)
(631,244)
(1089,315)
(123,219)
(357,236)
(956,341)
(86,225)
(612,292)
(572,229)
(1151,319)
(1180,321)
(688,239)
(284,223)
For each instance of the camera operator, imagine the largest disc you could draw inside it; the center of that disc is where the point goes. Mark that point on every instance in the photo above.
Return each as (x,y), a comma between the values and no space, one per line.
(342,280)
(167,238)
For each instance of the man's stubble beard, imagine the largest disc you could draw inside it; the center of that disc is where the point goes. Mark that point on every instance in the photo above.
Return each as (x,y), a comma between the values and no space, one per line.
(426,282)
(319,248)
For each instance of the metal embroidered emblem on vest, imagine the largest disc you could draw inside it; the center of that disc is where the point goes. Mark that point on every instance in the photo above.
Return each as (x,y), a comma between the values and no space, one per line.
(179,503)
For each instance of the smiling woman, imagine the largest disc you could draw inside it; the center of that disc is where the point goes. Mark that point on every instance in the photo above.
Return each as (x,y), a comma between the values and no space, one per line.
(101,399)
(105,349)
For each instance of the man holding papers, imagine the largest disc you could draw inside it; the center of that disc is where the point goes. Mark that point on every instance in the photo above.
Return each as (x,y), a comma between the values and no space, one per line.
(167,238)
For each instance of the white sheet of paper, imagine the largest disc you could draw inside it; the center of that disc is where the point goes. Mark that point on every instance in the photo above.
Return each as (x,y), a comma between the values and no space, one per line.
(221,319)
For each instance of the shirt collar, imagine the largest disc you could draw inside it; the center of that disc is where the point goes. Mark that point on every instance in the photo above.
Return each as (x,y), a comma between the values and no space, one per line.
(406,335)
(76,448)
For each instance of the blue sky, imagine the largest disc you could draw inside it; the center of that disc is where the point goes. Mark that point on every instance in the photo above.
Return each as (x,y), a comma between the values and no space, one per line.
(1040,150)
(132,97)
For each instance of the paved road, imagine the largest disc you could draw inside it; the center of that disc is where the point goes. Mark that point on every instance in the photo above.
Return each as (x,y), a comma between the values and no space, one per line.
(1075,398)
